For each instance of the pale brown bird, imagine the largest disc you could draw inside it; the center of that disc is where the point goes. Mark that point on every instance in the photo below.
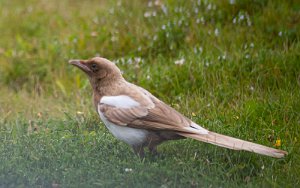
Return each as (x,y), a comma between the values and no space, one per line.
(135,116)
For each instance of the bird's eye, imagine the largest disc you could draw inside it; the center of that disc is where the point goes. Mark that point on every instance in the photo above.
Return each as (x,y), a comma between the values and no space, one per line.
(94,67)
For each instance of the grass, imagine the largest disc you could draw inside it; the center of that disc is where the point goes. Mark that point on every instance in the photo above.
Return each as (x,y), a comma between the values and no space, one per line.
(240,76)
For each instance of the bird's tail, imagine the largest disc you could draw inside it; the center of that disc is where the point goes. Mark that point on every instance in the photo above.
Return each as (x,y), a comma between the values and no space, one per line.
(235,144)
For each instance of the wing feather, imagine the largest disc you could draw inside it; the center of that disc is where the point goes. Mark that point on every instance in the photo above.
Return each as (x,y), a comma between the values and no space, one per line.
(161,117)
(151,114)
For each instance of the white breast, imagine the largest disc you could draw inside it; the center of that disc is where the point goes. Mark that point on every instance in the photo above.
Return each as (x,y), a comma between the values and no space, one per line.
(129,135)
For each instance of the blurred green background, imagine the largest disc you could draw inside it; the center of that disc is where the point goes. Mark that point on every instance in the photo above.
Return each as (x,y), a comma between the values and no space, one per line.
(232,66)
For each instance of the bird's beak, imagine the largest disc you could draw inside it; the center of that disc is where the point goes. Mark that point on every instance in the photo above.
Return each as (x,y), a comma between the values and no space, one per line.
(80,64)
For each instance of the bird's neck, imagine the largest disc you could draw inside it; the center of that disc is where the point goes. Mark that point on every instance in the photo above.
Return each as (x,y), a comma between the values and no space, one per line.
(103,89)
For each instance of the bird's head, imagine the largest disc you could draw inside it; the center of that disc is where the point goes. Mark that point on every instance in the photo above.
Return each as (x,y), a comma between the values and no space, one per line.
(99,70)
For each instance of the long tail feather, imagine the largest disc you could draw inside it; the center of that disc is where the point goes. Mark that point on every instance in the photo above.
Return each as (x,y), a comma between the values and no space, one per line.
(235,144)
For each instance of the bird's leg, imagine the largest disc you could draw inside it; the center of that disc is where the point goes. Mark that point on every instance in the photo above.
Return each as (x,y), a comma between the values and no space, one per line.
(139,150)
(153,148)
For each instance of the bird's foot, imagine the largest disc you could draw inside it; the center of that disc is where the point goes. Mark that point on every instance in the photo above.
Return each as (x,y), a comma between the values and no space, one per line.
(139,151)
(154,152)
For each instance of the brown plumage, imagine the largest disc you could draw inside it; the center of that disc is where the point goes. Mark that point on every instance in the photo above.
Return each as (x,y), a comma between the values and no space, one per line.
(135,116)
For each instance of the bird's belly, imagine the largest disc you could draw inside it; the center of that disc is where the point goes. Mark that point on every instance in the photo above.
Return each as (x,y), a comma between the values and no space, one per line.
(128,135)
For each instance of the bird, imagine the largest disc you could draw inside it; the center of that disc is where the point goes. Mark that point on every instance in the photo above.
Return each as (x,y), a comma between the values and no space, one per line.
(135,116)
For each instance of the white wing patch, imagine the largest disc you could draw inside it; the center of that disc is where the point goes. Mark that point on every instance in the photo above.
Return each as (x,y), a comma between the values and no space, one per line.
(120,101)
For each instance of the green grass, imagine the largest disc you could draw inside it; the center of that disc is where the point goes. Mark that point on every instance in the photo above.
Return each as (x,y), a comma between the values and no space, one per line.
(240,77)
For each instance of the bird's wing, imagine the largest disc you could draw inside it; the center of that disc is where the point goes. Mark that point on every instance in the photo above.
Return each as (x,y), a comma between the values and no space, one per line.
(124,110)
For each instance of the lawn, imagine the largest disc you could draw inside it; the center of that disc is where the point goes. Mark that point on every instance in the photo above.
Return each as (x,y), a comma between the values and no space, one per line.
(231,66)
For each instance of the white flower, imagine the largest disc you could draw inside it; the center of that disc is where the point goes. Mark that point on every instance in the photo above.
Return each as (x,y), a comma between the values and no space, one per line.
(157,3)
(195,50)
(202,19)
(119,3)
(153,13)
(113,38)
(129,61)
(155,37)
(207,63)
(241,17)
(199,2)
(179,22)
(147,14)
(280,33)
(96,20)
(180,9)
(209,6)
(128,169)
(164,9)
(216,32)
(138,59)
(112,11)
(200,49)
(180,61)
(223,57)
(249,21)
(234,20)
